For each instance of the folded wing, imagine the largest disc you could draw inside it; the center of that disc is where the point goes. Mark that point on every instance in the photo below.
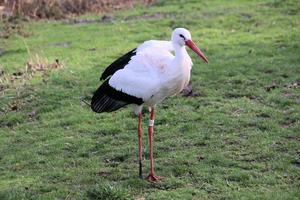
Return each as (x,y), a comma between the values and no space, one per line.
(133,78)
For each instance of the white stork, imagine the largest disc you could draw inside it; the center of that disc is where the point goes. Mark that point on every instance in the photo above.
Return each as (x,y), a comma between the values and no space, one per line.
(146,76)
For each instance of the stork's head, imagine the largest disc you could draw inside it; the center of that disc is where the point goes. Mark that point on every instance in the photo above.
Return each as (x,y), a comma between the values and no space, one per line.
(182,36)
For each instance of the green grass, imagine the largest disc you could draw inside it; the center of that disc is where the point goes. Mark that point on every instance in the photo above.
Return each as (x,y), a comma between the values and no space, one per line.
(237,140)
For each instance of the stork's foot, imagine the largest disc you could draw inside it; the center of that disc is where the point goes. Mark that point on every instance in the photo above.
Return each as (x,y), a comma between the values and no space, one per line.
(153,178)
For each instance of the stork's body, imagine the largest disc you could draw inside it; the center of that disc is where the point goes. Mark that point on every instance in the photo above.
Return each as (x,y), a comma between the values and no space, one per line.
(146,76)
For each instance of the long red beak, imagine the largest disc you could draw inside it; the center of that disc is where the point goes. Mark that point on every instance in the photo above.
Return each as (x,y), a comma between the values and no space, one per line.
(193,46)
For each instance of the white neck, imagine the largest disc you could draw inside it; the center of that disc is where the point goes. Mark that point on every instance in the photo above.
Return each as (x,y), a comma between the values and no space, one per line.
(180,52)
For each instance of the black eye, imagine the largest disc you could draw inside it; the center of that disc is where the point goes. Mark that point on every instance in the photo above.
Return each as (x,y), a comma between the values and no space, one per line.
(180,35)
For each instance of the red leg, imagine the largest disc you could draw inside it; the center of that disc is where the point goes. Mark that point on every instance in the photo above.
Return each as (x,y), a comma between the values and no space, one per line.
(140,132)
(151,177)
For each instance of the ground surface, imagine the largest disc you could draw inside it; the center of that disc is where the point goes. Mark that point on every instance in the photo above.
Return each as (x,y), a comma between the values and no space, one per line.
(238,140)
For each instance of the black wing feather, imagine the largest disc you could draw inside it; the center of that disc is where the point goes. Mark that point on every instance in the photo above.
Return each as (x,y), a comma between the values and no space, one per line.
(120,63)
(108,99)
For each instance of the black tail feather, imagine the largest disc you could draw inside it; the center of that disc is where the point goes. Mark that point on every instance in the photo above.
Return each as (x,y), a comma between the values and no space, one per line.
(108,99)
(102,102)
(105,103)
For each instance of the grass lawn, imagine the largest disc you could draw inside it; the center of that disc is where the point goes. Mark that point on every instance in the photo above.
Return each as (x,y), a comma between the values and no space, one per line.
(239,139)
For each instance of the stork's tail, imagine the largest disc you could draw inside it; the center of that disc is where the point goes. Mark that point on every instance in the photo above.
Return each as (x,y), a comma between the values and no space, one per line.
(104,101)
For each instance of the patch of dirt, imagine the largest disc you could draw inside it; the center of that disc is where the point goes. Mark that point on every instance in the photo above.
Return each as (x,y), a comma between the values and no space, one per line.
(81,21)
(147,16)
(199,158)
(234,95)
(251,97)
(200,144)
(271,87)
(246,15)
(296,163)
(268,71)
(103,174)
(103,19)
(280,146)
(111,18)
(263,115)
(188,91)
(228,141)
(107,19)
(289,122)
(62,44)
(294,137)
(92,49)
(294,85)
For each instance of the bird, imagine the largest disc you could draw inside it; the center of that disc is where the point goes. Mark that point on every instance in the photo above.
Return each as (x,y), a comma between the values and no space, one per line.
(145,76)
